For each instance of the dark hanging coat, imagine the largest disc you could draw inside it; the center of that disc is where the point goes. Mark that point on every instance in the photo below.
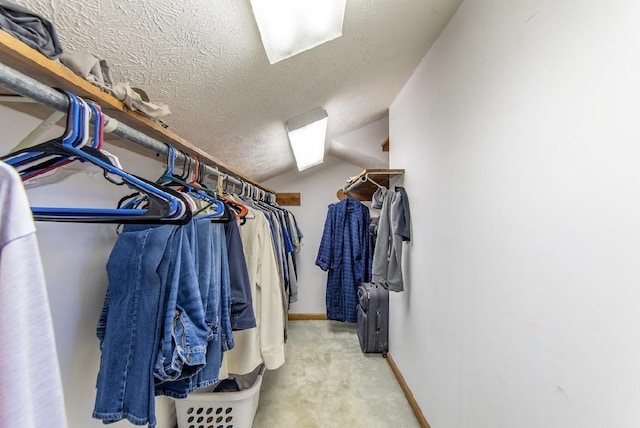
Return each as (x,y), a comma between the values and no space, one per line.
(346,253)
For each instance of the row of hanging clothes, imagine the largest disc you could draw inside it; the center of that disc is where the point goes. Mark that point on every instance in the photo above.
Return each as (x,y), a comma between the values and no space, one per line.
(199,280)
(357,247)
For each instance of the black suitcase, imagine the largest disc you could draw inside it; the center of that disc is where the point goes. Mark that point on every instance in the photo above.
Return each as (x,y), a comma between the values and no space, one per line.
(373,318)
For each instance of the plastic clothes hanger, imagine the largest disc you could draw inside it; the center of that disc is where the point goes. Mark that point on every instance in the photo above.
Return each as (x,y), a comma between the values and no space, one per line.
(162,206)
(223,214)
(240,209)
(81,122)
(63,169)
(169,178)
(374,182)
(97,141)
(33,164)
(208,197)
(70,135)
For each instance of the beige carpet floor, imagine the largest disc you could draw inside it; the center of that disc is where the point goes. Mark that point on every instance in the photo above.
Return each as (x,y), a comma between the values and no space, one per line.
(328,382)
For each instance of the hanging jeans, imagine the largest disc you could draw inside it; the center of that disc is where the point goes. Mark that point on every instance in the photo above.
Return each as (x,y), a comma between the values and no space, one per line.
(218,310)
(184,339)
(214,286)
(131,323)
(152,324)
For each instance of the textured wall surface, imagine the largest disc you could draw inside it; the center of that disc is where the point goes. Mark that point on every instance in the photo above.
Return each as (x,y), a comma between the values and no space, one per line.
(205,60)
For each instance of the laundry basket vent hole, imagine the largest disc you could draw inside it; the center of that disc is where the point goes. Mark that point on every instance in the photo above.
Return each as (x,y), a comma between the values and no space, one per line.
(219,409)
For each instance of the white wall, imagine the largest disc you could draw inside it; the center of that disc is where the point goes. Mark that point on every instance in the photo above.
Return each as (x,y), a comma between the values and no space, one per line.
(317,187)
(363,146)
(74,257)
(519,133)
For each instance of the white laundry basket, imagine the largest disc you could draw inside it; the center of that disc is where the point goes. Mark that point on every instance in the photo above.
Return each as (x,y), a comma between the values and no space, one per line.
(220,409)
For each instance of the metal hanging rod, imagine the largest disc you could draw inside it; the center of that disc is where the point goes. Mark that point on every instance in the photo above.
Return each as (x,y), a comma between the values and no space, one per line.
(358,182)
(355,184)
(378,177)
(25,86)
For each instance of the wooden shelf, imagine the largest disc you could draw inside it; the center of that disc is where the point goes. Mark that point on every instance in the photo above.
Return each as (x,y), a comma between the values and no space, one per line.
(32,63)
(362,188)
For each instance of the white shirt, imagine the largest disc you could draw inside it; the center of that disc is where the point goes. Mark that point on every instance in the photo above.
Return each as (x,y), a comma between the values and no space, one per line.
(264,343)
(30,385)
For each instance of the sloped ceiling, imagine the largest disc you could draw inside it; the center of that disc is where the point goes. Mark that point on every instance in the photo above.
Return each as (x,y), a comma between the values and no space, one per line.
(204,58)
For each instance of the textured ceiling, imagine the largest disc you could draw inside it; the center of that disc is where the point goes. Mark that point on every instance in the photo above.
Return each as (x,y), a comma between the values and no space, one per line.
(205,60)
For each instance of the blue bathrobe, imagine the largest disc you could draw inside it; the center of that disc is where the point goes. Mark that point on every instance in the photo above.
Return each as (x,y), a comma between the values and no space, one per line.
(346,253)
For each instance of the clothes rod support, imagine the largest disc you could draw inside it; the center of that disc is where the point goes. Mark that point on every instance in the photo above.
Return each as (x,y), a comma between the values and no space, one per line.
(25,86)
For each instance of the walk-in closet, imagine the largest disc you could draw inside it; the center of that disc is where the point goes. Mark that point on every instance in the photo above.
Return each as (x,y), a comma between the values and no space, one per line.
(337,213)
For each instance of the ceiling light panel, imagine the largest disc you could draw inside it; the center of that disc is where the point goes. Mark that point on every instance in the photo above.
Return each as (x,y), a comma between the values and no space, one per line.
(307,135)
(288,27)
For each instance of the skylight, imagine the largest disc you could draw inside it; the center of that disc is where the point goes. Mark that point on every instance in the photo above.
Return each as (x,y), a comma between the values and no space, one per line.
(288,27)
(307,134)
